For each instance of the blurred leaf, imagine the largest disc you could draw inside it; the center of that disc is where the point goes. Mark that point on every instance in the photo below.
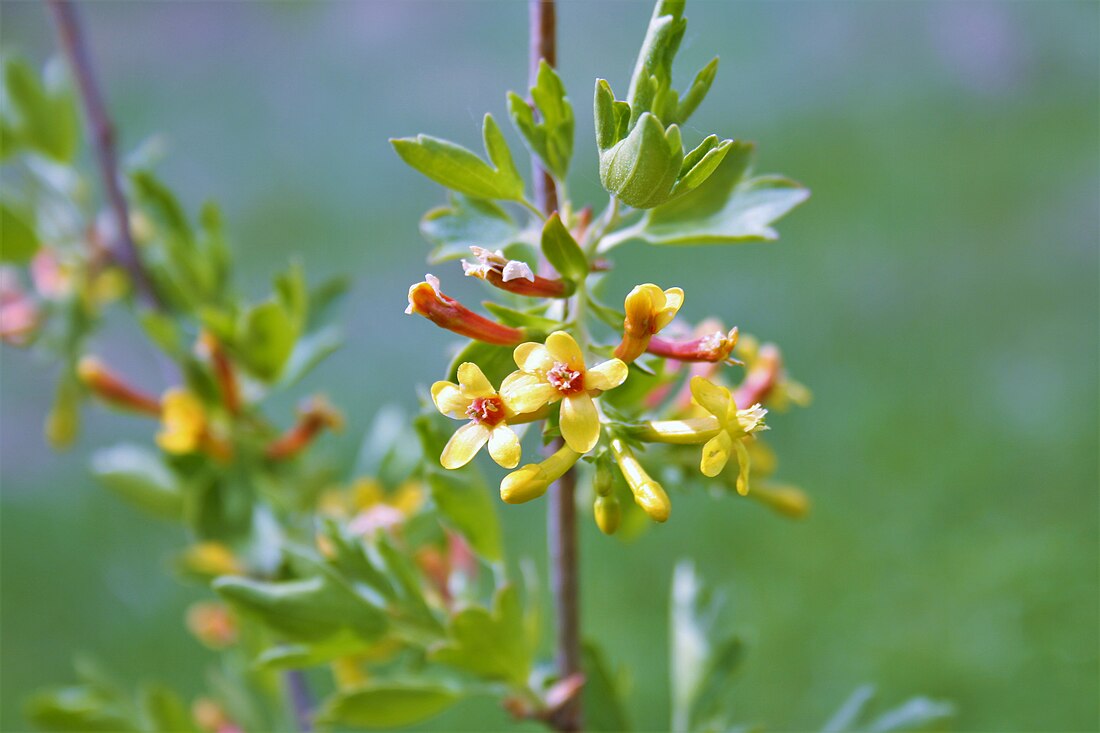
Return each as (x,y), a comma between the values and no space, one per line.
(725,209)
(306,609)
(163,331)
(293,294)
(461,496)
(164,711)
(562,251)
(490,645)
(457,168)
(266,339)
(603,694)
(386,704)
(702,664)
(325,295)
(551,138)
(78,709)
(917,713)
(465,222)
(218,507)
(45,120)
(311,350)
(18,240)
(139,476)
(851,711)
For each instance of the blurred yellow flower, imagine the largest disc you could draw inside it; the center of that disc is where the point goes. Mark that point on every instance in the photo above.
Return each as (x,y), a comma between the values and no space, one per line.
(183,421)
(556,371)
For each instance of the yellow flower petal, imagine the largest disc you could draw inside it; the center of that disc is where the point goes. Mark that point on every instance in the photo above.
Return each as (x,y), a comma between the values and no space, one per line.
(713,398)
(532,357)
(605,376)
(449,400)
(523,392)
(473,381)
(673,299)
(564,348)
(716,452)
(464,445)
(744,462)
(504,446)
(183,419)
(580,423)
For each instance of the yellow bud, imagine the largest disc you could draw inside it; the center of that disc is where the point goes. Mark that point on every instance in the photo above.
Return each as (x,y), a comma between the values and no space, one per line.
(63,422)
(210,558)
(608,513)
(790,501)
(648,494)
(531,481)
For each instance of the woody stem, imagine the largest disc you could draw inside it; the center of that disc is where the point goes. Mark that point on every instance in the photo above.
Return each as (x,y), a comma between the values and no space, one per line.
(561,519)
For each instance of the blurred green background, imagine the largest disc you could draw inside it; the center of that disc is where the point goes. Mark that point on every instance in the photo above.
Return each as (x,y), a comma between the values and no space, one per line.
(938,293)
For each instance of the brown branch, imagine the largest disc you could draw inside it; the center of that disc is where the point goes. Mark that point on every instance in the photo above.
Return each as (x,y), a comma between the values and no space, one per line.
(561,519)
(103,141)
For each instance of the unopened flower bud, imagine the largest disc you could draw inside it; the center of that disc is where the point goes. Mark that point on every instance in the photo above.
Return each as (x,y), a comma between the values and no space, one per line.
(112,389)
(608,512)
(531,481)
(789,501)
(648,494)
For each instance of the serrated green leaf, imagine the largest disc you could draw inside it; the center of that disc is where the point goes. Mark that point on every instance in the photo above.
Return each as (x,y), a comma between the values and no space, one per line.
(139,476)
(562,251)
(603,694)
(461,170)
(387,704)
(726,208)
(18,239)
(465,222)
(491,645)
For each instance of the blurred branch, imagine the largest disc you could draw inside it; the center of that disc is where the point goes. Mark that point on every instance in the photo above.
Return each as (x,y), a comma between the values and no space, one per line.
(101,132)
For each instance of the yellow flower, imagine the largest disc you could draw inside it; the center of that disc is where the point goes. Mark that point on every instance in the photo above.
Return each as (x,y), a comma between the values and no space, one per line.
(532,481)
(183,420)
(556,371)
(766,378)
(734,427)
(648,310)
(473,397)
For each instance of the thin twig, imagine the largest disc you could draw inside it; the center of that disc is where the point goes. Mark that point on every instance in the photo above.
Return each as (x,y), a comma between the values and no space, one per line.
(561,520)
(301,702)
(102,136)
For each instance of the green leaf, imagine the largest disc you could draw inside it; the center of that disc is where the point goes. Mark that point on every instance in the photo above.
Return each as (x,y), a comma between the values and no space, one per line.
(917,713)
(78,708)
(387,704)
(307,609)
(848,715)
(266,339)
(461,170)
(603,694)
(461,496)
(650,84)
(695,94)
(562,251)
(18,240)
(310,351)
(495,361)
(164,711)
(551,138)
(140,477)
(163,331)
(465,222)
(490,645)
(44,119)
(726,208)
(324,296)
(523,319)
(293,294)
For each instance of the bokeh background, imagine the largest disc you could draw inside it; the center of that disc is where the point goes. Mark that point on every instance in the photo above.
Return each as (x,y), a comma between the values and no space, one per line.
(938,293)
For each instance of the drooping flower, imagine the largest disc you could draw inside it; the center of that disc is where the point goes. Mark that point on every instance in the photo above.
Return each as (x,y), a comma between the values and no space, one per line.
(426,299)
(714,346)
(556,371)
(734,428)
(648,310)
(474,398)
(766,378)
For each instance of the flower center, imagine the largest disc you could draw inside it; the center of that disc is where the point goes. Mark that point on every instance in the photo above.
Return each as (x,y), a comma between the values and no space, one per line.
(486,411)
(564,379)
